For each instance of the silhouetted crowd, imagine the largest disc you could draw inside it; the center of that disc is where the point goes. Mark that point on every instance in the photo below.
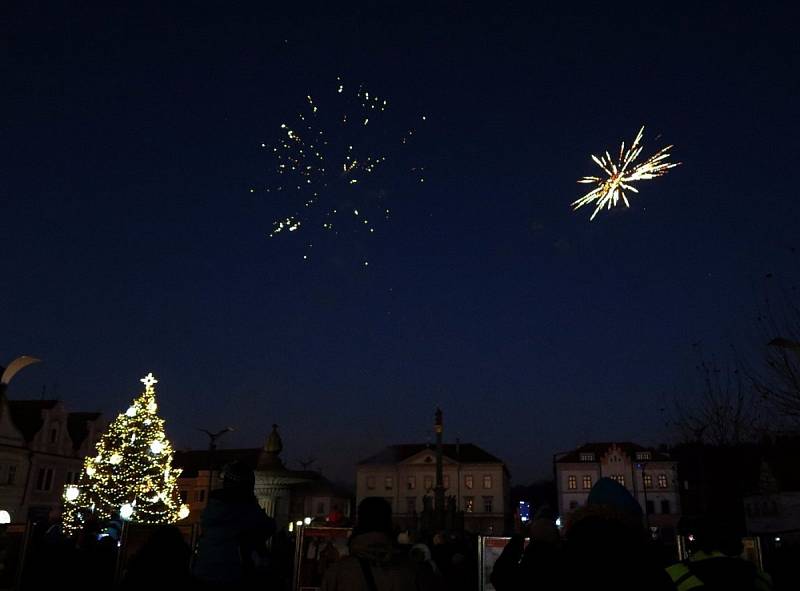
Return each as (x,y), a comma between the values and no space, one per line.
(603,546)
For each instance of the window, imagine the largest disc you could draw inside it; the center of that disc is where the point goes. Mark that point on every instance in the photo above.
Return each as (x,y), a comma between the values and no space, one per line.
(44,480)
(184,494)
(487,504)
(665,507)
(12,474)
(619,478)
(370,483)
(411,482)
(446,481)
(572,482)
(390,500)
(643,455)
(321,508)
(587,481)
(487,481)
(201,495)
(469,504)
(388,483)
(54,434)
(411,504)
(468,482)
(573,505)
(662,481)
(650,507)
(648,480)
(587,457)
(428,483)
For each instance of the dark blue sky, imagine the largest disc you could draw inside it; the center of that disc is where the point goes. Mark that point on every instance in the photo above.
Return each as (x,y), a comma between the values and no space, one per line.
(131,243)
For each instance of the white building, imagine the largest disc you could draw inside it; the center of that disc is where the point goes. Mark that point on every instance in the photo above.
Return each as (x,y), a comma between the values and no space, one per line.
(405,474)
(42,447)
(649,475)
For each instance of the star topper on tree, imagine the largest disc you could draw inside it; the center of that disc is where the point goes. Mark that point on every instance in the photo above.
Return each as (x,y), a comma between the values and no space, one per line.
(131,475)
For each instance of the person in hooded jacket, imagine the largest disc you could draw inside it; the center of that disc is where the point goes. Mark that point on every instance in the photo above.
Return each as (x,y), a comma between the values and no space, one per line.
(232,549)
(375,562)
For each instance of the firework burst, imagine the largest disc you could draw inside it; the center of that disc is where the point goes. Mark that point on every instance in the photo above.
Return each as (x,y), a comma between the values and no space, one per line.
(334,164)
(620,174)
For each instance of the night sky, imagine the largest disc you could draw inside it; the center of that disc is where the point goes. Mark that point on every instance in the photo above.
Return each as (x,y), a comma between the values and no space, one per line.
(131,242)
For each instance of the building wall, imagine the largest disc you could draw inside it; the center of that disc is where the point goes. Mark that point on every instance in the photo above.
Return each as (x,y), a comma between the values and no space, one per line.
(616,463)
(392,483)
(772,513)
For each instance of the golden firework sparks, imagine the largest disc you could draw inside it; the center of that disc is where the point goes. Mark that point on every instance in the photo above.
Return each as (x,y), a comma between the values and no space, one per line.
(621,174)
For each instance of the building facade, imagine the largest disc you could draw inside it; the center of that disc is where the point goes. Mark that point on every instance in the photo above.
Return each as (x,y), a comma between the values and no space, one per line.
(649,475)
(286,495)
(405,475)
(42,447)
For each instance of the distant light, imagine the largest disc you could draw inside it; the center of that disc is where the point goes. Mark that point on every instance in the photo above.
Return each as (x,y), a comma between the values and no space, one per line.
(71,493)
(558,522)
(115,459)
(5,517)
(131,412)
(156,446)
(307,521)
(299,523)
(523,519)
(183,512)
(777,538)
(691,537)
(291,526)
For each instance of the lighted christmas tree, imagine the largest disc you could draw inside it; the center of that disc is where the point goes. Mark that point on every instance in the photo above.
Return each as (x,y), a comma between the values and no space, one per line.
(132,474)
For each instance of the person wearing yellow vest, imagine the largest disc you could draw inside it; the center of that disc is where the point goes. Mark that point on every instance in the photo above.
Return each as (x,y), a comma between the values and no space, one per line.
(715,565)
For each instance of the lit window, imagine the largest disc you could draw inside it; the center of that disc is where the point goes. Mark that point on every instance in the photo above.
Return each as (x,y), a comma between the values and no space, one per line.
(468,482)
(619,478)
(487,504)
(411,483)
(428,483)
(587,481)
(587,457)
(662,481)
(648,481)
(388,483)
(469,504)
(643,455)
(487,481)
(371,482)
(572,482)
(411,504)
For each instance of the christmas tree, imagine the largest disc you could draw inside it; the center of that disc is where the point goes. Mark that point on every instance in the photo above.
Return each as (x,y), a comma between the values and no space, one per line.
(132,474)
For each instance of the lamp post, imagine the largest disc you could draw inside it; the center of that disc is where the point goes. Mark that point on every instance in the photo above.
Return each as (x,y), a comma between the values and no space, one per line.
(212,447)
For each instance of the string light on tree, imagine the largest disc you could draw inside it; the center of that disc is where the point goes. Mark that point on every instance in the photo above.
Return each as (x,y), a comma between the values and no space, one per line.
(131,474)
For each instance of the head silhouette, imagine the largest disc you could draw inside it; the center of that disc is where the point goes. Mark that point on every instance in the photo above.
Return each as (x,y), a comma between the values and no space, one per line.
(374,515)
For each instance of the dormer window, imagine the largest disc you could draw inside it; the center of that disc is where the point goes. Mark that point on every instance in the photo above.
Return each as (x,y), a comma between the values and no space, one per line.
(587,457)
(643,455)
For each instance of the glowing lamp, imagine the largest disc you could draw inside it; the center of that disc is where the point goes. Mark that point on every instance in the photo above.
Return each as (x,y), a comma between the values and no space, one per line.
(5,517)
(90,471)
(131,412)
(126,511)
(115,459)
(183,512)
(307,521)
(298,523)
(156,446)
(71,493)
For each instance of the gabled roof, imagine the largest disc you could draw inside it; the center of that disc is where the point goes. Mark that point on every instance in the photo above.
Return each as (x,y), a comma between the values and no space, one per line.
(27,415)
(467,453)
(78,426)
(600,448)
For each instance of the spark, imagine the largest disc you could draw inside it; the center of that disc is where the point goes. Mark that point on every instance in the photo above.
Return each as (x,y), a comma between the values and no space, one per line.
(621,174)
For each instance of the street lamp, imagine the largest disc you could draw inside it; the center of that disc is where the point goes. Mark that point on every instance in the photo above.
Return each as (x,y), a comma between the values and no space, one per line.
(212,447)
